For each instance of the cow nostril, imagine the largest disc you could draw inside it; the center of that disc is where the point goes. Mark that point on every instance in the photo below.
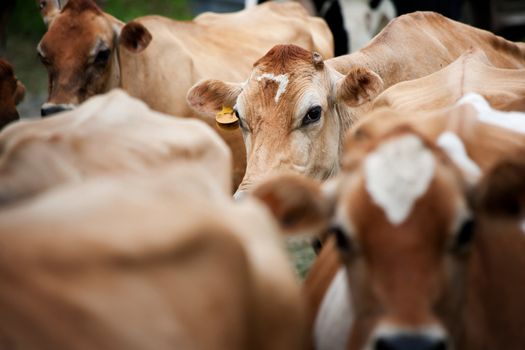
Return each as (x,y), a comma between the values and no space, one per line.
(406,342)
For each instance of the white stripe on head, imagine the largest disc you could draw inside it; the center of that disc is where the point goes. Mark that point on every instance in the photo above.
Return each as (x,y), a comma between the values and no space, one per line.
(455,149)
(522,226)
(397,173)
(334,319)
(514,121)
(281,79)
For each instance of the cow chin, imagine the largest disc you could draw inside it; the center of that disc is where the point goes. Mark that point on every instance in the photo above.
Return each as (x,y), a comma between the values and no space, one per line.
(49,109)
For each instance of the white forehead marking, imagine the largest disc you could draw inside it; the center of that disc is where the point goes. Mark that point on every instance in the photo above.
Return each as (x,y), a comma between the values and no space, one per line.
(514,121)
(282,79)
(397,173)
(334,319)
(523,226)
(454,147)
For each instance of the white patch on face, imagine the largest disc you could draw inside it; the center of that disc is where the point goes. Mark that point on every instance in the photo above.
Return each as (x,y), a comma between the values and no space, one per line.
(335,316)
(282,79)
(514,121)
(455,149)
(397,173)
(523,226)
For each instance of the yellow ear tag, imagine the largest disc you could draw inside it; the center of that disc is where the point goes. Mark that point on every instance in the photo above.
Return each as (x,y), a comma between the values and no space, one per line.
(226,117)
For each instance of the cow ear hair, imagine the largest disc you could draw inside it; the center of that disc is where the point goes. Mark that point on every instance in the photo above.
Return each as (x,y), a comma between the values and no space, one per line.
(359,86)
(135,37)
(208,97)
(298,204)
(49,9)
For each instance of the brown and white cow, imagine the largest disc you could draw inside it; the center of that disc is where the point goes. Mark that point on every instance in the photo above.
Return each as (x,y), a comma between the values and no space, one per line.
(157,60)
(471,72)
(109,134)
(295,108)
(418,273)
(165,260)
(11,93)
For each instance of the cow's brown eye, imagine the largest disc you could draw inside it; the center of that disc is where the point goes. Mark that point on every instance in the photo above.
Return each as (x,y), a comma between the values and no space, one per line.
(312,116)
(45,61)
(464,236)
(241,124)
(102,56)
(343,242)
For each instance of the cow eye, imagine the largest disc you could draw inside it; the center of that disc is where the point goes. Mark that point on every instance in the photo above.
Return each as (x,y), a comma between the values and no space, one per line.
(313,115)
(343,241)
(464,235)
(241,124)
(45,61)
(102,56)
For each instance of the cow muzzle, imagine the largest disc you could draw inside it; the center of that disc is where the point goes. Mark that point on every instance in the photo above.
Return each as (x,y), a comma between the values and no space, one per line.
(49,109)
(425,338)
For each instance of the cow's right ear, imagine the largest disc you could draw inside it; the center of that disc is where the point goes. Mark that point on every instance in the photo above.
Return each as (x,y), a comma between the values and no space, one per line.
(49,9)
(360,85)
(135,37)
(298,204)
(208,97)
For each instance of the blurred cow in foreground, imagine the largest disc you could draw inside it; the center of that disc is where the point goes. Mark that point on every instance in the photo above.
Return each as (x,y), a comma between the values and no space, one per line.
(422,257)
(119,232)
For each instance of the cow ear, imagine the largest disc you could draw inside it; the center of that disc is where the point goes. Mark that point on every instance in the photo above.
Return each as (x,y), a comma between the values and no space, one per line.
(297,203)
(501,192)
(360,85)
(208,97)
(49,9)
(135,37)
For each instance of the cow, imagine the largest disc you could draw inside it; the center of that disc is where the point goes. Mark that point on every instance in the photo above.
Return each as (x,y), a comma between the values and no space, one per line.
(109,134)
(158,59)
(295,108)
(12,91)
(165,260)
(420,256)
(471,72)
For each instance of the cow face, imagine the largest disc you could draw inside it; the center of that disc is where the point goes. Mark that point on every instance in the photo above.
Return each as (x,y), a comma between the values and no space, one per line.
(11,93)
(79,53)
(403,228)
(290,111)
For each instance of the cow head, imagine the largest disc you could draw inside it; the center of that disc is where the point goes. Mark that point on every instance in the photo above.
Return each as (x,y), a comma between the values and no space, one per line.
(11,93)
(403,227)
(80,51)
(293,111)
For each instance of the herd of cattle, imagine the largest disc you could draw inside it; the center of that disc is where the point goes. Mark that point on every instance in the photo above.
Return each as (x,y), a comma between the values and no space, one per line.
(404,162)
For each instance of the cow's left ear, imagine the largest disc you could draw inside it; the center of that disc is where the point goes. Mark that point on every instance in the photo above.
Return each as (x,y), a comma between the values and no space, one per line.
(208,97)
(359,86)
(135,37)
(501,192)
(298,204)
(49,9)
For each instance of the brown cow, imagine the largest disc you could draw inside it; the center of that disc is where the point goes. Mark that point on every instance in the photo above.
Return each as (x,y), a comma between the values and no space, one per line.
(418,274)
(11,93)
(163,261)
(294,108)
(109,134)
(158,59)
